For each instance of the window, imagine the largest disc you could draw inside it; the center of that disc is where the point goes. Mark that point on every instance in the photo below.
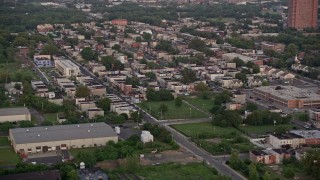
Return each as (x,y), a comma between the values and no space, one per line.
(38,147)
(29,150)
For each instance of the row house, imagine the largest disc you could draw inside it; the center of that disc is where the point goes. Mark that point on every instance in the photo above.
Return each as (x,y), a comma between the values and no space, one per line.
(12,88)
(299,67)
(89,107)
(287,139)
(66,85)
(254,83)
(41,89)
(269,156)
(314,116)
(229,82)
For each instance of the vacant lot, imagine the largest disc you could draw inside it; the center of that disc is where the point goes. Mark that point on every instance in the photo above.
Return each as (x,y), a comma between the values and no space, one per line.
(8,156)
(174,112)
(178,171)
(261,130)
(196,129)
(203,104)
(215,140)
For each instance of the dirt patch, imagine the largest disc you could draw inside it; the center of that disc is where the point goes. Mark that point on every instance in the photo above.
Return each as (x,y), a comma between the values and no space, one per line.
(179,156)
(108,164)
(214,140)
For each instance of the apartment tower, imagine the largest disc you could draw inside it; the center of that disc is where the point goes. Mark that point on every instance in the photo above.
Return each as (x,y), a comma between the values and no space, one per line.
(303,14)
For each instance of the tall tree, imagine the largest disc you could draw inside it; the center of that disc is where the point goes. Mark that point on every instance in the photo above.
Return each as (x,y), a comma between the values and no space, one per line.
(188,76)
(82,91)
(87,53)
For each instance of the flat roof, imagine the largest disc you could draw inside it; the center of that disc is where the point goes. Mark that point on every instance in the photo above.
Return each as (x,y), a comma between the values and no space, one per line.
(290,92)
(66,64)
(307,133)
(287,136)
(61,132)
(14,111)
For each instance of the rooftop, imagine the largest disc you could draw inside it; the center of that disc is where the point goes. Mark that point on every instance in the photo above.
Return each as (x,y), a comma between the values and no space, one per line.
(66,64)
(61,132)
(14,111)
(307,133)
(287,136)
(290,92)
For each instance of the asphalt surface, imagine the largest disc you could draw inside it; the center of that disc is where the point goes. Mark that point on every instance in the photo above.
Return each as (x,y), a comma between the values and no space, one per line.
(179,138)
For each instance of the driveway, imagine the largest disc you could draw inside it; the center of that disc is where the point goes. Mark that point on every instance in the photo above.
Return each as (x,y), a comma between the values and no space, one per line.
(36,114)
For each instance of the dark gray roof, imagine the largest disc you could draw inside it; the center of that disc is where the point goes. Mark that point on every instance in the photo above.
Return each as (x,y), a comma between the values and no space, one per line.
(61,132)
(14,111)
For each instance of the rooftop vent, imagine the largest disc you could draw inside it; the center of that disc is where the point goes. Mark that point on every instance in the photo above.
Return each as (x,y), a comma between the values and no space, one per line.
(88,131)
(27,130)
(78,125)
(38,135)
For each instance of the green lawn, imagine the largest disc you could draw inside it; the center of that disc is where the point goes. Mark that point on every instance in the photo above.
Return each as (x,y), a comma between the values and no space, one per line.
(215,140)
(173,112)
(74,151)
(50,117)
(203,104)
(8,156)
(195,129)
(260,130)
(4,141)
(178,172)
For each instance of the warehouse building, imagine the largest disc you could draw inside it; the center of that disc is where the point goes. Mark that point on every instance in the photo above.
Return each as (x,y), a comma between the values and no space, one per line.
(14,114)
(67,68)
(289,96)
(50,138)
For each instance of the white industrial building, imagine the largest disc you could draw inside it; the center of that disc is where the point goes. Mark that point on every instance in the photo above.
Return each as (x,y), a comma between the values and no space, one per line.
(50,138)
(14,114)
(67,68)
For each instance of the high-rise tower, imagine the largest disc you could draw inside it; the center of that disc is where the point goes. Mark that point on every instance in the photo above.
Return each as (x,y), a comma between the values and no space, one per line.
(303,14)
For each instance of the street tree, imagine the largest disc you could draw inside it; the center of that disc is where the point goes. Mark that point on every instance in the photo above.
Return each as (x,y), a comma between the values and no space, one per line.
(201,87)
(87,157)
(82,91)
(87,53)
(188,76)
(104,104)
(50,49)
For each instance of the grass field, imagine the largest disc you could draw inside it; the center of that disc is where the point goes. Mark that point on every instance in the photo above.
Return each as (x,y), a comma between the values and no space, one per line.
(203,104)
(260,130)
(4,141)
(74,152)
(173,112)
(193,130)
(177,171)
(50,117)
(8,156)
(215,140)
